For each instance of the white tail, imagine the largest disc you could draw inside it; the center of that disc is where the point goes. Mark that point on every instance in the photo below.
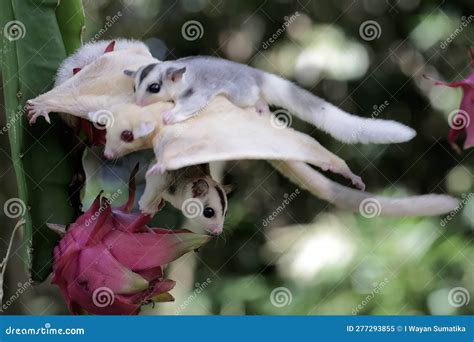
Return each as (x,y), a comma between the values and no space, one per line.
(368,204)
(329,118)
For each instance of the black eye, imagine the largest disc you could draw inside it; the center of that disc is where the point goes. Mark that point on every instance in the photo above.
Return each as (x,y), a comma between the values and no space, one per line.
(154,88)
(127,136)
(208,212)
(134,89)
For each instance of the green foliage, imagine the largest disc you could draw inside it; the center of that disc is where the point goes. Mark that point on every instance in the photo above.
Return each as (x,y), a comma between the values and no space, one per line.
(43,165)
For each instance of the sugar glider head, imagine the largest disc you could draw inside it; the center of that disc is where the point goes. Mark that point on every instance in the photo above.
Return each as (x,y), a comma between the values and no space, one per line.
(205,203)
(127,131)
(155,82)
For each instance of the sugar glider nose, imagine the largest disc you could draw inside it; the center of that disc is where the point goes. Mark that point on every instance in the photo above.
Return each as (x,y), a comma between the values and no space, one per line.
(215,230)
(109,154)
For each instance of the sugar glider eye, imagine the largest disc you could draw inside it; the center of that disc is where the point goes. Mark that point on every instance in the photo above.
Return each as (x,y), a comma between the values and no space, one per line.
(208,212)
(154,88)
(127,136)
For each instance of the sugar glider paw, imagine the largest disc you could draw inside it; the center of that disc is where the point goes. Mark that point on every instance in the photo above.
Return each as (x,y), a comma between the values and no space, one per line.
(262,107)
(168,117)
(36,110)
(157,169)
(148,207)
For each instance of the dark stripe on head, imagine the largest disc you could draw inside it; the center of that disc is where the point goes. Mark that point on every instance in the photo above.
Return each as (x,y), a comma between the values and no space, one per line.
(188,92)
(146,70)
(222,198)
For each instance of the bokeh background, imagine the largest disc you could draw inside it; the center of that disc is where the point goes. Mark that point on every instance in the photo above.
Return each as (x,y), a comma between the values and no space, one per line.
(367,57)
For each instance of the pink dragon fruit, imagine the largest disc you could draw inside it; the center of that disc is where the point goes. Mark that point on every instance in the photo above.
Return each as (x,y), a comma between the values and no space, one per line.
(110,262)
(462,120)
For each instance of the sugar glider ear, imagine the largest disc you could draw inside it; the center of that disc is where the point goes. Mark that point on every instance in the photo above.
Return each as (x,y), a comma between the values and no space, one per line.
(130,73)
(200,188)
(143,129)
(175,74)
(228,188)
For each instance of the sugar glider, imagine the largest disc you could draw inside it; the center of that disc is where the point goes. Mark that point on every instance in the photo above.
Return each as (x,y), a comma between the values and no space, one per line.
(192,82)
(193,191)
(71,85)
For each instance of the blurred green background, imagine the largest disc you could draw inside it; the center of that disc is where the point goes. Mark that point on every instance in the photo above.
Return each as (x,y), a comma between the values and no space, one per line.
(312,258)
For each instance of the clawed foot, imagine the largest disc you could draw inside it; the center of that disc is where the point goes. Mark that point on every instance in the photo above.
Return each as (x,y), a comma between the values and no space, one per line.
(157,169)
(151,207)
(35,110)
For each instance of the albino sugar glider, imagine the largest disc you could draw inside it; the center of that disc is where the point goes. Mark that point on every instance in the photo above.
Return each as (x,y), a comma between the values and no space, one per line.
(175,187)
(192,82)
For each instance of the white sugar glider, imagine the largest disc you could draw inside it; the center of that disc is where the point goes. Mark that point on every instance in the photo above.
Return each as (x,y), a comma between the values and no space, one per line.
(198,140)
(77,91)
(216,135)
(99,85)
(192,82)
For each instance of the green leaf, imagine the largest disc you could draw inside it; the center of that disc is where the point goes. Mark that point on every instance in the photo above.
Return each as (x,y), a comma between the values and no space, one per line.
(41,154)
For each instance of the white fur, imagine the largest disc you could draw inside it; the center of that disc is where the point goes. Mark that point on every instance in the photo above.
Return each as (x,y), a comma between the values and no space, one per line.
(329,118)
(344,197)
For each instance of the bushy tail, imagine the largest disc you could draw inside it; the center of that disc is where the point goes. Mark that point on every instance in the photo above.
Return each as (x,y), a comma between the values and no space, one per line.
(327,117)
(366,203)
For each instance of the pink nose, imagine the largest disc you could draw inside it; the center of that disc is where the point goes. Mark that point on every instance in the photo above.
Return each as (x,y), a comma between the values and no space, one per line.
(215,230)
(109,155)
